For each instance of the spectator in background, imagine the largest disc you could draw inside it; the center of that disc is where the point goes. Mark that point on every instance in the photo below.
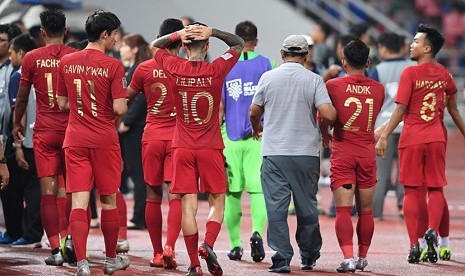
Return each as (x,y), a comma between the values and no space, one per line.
(336,70)
(388,73)
(11,204)
(134,50)
(34,31)
(322,53)
(28,188)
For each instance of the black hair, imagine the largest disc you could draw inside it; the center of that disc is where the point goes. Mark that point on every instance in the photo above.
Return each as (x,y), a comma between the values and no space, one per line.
(358,30)
(168,26)
(391,41)
(433,37)
(34,31)
(23,43)
(197,44)
(247,31)
(356,53)
(11,30)
(345,39)
(78,45)
(53,22)
(325,28)
(99,22)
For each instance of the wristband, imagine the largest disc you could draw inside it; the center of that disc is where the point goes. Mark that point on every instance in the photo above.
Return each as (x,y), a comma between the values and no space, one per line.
(174,37)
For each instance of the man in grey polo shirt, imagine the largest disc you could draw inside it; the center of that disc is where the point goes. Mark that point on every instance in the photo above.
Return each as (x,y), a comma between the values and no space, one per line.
(289,97)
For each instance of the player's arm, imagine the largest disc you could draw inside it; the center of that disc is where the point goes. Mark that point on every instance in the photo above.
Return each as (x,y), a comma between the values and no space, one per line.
(63,103)
(394,121)
(380,130)
(20,110)
(324,129)
(235,42)
(120,106)
(166,40)
(256,113)
(132,93)
(455,114)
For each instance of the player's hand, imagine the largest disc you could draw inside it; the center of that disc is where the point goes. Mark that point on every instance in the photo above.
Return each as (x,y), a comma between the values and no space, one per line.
(18,133)
(4,175)
(381,146)
(20,159)
(198,32)
(122,128)
(256,134)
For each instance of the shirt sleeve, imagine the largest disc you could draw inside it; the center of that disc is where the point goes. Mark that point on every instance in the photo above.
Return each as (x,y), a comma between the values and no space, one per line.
(404,90)
(61,85)
(374,75)
(321,93)
(118,83)
(225,62)
(27,74)
(13,87)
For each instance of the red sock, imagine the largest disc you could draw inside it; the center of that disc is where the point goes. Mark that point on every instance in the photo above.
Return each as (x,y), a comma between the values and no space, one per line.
(436,205)
(123,216)
(69,200)
(49,214)
(192,242)
(154,221)
(110,226)
(345,231)
(62,218)
(423,220)
(78,226)
(89,216)
(365,228)
(412,202)
(212,232)
(174,222)
(445,220)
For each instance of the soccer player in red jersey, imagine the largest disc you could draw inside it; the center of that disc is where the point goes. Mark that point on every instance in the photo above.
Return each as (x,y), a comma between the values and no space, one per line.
(92,86)
(357,100)
(40,68)
(421,93)
(150,78)
(197,142)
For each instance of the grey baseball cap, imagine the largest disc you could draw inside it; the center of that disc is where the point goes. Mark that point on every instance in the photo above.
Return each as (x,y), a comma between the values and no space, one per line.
(295,44)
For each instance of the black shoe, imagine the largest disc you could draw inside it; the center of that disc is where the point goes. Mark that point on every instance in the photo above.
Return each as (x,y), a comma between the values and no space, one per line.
(69,250)
(235,254)
(414,254)
(206,252)
(307,264)
(432,242)
(194,271)
(256,247)
(279,265)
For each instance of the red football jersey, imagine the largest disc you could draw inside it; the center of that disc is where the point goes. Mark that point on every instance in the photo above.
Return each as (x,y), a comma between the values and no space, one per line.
(40,68)
(357,100)
(150,78)
(421,89)
(91,80)
(197,97)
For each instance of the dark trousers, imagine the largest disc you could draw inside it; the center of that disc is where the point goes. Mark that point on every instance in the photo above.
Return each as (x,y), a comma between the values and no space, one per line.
(296,176)
(23,220)
(132,151)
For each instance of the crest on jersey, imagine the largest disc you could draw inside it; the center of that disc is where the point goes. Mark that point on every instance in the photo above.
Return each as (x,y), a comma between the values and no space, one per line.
(125,82)
(234,88)
(227,56)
